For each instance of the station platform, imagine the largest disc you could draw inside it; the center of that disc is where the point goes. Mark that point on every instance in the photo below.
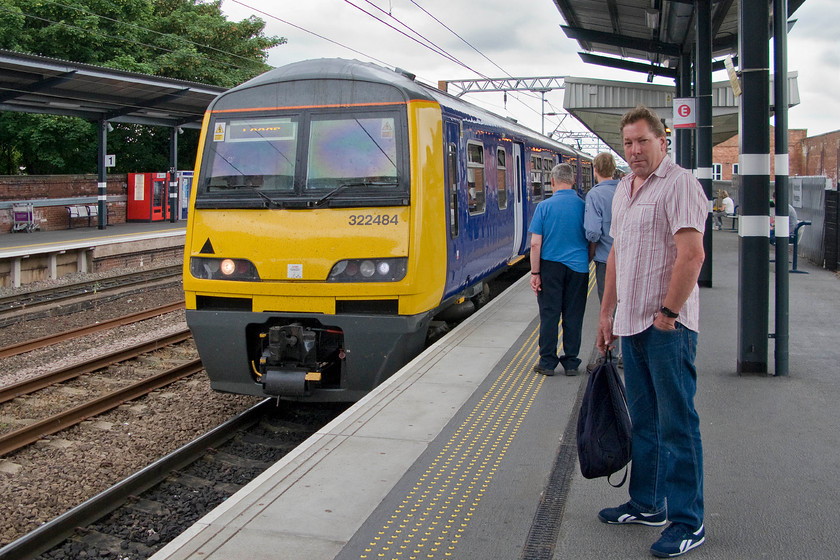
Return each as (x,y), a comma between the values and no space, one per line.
(29,257)
(466,453)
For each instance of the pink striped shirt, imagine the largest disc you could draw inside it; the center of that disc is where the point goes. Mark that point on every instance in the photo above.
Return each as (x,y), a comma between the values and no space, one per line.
(643,230)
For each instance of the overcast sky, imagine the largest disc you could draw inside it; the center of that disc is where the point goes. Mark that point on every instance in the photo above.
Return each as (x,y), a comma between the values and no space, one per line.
(520,39)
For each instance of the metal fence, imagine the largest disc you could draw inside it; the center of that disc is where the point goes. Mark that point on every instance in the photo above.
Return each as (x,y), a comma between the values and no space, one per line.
(807,196)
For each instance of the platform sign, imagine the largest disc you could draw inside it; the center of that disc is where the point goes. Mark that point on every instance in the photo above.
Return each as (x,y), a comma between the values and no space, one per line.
(685,115)
(110,160)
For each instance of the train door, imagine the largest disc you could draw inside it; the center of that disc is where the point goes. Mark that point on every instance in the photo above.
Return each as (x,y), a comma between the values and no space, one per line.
(517,199)
(457,207)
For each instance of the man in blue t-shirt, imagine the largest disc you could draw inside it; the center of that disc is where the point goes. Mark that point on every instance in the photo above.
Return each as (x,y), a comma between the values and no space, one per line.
(560,271)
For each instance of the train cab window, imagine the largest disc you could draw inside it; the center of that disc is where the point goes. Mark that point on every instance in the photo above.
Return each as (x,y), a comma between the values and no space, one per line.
(501,177)
(536,178)
(475,177)
(254,153)
(352,152)
(547,166)
(452,169)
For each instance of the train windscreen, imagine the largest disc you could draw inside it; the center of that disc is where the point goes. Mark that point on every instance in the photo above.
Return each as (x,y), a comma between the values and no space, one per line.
(309,159)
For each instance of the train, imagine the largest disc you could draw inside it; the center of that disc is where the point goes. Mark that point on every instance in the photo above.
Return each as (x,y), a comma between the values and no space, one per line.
(339,208)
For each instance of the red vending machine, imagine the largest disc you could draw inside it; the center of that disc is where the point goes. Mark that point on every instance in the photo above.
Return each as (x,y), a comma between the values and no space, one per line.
(147,196)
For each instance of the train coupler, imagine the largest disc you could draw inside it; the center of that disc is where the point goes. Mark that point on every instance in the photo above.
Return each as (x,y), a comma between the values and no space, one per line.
(288,362)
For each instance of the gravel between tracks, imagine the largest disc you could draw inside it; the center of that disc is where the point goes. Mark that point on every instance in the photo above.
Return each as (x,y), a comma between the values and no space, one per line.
(43,480)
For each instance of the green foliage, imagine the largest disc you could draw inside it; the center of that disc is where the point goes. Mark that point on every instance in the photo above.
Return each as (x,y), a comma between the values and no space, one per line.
(183,39)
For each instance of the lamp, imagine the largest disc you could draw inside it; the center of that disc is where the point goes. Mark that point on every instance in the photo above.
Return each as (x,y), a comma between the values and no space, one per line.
(652,19)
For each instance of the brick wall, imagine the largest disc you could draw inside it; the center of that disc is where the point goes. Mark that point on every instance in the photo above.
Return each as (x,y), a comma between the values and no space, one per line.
(726,153)
(821,154)
(41,189)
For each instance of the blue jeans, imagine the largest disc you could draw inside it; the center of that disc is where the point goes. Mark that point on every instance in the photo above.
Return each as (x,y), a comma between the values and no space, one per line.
(563,295)
(667,463)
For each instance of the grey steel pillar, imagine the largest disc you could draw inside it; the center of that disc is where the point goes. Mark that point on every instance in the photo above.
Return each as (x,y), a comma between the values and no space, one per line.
(754,169)
(781,167)
(102,180)
(703,66)
(684,135)
(173,175)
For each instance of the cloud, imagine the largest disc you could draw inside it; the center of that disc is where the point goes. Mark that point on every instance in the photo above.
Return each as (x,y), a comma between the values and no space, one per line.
(524,39)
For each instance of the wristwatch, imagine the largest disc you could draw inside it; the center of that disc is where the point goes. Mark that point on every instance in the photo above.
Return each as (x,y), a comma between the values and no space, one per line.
(668,313)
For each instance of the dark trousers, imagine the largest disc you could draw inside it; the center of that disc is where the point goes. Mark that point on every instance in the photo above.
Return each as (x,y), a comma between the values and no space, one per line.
(563,296)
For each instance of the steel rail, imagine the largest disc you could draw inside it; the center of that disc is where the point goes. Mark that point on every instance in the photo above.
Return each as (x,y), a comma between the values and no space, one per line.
(52,295)
(54,532)
(27,386)
(22,437)
(29,345)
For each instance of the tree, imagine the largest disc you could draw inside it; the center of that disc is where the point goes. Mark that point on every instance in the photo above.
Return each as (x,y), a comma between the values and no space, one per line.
(183,39)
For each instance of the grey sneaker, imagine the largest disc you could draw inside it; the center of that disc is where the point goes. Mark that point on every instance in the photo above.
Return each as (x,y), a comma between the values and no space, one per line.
(543,371)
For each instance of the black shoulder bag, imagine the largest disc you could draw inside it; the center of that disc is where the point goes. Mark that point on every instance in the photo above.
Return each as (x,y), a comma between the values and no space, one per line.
(604,431)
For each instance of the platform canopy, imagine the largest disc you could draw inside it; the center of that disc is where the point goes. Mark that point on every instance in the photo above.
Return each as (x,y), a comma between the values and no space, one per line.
(649,37)
(36,84)
(600,104)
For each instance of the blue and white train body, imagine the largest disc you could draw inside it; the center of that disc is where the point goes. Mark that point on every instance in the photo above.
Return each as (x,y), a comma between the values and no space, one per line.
(338,208)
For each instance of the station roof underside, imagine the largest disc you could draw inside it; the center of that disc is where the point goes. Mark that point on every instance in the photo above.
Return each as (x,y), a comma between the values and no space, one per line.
(649,36)
(36,84)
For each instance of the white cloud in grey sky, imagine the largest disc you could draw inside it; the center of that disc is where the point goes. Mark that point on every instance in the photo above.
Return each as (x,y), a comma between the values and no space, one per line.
(524,39)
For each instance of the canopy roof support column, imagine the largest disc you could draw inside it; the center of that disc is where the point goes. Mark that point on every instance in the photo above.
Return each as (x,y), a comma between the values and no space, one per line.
(102,201)
(754,168)
(703,66)
(781,167)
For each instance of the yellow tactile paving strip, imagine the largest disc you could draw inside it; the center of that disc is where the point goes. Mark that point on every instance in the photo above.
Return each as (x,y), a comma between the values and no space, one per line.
(430,521)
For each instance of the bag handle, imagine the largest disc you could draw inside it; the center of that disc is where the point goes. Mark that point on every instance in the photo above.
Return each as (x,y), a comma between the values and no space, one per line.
(623,479)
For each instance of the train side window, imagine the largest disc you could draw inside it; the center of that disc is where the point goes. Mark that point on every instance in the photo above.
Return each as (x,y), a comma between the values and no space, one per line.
(501,177)
(548,165)
(475,177)
(586,176)
(536,178)
(452,164)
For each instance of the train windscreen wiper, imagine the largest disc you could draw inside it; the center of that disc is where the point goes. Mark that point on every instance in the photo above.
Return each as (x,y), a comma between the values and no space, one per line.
(344,186)
(269,202)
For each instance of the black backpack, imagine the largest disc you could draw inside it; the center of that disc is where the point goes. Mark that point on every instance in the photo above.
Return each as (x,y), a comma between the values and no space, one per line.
(604,431)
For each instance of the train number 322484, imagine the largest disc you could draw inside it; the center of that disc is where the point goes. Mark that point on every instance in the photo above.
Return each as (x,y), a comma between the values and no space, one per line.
(373,220)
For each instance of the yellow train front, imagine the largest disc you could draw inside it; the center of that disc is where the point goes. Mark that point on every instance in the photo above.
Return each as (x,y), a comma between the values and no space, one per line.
(323,233)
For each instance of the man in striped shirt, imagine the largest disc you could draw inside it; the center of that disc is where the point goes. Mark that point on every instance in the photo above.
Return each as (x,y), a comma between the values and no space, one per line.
(659,216)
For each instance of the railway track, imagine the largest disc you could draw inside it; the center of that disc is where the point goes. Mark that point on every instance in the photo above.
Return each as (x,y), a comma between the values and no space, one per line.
(61,293)
(139,515)
(92,295)
(29,345)
(147,513)
(16,439)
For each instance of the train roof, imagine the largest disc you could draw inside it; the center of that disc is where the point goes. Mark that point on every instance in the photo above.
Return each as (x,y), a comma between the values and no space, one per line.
(403,83)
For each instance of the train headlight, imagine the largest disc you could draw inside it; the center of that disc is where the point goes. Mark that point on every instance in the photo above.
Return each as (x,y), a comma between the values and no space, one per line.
(207,268)
(227,267)
(369,270)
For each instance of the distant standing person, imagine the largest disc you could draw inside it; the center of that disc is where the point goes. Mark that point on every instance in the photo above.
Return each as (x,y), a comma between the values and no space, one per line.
(560,271)
(598,216)
(598,219)
(659,217)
